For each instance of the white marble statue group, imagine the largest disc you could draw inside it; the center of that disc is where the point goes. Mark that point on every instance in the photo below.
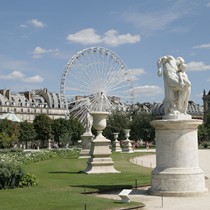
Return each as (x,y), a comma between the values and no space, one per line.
(176,84)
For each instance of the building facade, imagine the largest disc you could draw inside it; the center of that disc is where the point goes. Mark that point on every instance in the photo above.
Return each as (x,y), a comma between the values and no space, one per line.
(26,105)
(157,109)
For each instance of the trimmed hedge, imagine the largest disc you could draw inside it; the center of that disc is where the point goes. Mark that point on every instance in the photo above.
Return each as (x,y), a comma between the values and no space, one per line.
(10,175)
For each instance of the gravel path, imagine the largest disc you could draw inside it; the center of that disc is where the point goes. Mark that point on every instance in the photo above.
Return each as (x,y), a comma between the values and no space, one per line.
(201,202)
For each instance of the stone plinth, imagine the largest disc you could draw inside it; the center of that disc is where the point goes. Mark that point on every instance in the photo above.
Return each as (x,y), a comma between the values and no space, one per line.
(127,146)
(100,160)
(177,171)
(86,144)
(116,146)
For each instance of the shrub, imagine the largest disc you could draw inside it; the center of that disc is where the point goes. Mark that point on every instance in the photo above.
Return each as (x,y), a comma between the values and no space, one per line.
(29,180)
(205,144)
(10,175)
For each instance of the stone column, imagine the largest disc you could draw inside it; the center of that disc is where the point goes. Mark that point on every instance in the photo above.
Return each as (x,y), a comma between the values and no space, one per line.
(177,171)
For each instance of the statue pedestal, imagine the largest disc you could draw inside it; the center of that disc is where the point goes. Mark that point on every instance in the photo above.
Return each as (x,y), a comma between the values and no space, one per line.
(86,144)
(177,171)
(100,160)
(116,146)
(127,146)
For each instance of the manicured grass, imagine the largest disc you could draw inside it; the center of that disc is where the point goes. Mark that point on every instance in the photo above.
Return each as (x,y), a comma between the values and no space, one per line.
(61,185)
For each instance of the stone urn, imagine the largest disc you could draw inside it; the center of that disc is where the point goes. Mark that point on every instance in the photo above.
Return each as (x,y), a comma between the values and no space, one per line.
(100,160)
(127,133)
(116,144)
(99,122)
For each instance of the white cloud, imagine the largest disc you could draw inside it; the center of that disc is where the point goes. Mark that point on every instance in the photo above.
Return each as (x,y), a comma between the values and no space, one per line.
(85,36)
(19,76)
(158,18)
(36,23)
(34,79)
(135,73)
(197,66)
(12,64)
(151,21)
(23,26)
(148,90)
(38,52)
(208,4)
(207,46)
(111,37)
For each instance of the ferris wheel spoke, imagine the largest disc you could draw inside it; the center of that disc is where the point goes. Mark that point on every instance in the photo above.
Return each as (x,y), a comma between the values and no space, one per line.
(76,86)
(116,81)
(97,75)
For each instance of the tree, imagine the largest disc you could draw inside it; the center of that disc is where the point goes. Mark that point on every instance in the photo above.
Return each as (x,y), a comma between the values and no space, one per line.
(5,140)
(61,131)
(76,129)
(202,134)
(141,127)
(27,132)
(43,127)
(116,123)
(11,131)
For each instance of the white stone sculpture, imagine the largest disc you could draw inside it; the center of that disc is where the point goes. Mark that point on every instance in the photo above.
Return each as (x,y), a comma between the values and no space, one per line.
(176,84)
(89,123)
(177,172)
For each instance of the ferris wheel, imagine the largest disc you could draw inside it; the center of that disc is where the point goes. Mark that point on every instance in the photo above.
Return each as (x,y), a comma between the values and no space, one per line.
(95,79)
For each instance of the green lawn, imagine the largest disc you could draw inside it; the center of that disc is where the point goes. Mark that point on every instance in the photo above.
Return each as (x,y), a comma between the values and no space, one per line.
(61,185)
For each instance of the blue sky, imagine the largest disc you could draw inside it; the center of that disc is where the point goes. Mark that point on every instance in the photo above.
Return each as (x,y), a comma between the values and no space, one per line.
(37,39)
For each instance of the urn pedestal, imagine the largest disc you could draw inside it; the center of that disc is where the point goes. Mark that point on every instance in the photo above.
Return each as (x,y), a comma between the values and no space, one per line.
(100,160)
(127,146)
(177,171)
(116,144)
(86,144)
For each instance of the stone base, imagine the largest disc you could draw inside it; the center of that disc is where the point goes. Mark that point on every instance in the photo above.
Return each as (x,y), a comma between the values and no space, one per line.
(86,144)
(127,146)
(177,171)
(84,153)
(179,116)
(100,165)
(100,160)
(116,147)
(178,182)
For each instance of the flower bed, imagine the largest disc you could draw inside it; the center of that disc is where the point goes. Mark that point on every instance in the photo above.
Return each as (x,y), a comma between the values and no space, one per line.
(29,156)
